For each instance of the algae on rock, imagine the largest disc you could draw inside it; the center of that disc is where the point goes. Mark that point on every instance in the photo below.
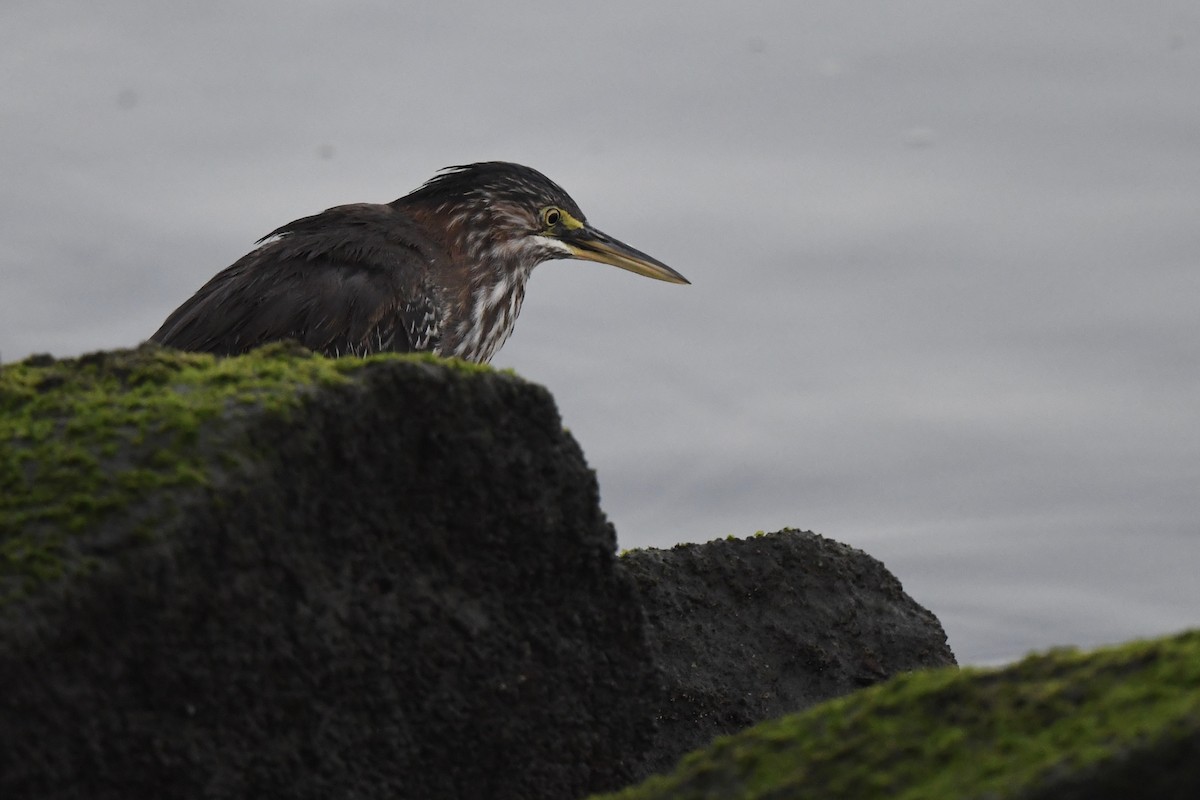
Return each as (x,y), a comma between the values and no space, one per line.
(284,575)
(88,441)
(1107,725)
(85,439)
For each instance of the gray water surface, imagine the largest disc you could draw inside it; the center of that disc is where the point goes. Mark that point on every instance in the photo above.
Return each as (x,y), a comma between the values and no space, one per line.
(946,300)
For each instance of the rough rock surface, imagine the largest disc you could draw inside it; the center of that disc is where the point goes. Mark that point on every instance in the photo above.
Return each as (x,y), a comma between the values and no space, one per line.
(1113,724)
(751,629)
(389,578)
(280,575)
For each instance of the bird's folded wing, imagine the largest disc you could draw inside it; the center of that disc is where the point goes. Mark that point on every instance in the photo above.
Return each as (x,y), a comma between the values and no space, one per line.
(335,283)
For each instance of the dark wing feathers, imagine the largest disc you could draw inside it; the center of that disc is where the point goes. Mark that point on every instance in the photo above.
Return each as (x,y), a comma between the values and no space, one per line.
(351,280)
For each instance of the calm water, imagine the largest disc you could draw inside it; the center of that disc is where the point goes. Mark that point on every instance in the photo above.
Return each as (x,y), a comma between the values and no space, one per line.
(946,303)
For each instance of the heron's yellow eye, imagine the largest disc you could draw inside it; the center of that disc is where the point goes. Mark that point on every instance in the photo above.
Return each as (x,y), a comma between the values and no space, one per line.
(551,216)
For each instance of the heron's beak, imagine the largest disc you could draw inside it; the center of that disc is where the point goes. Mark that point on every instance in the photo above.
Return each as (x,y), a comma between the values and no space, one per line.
(592,245)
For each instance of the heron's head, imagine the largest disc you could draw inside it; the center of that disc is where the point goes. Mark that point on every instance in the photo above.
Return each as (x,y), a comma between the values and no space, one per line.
(510,216)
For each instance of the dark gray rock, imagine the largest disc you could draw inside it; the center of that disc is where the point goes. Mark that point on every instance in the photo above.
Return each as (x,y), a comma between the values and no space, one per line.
(746,630)
(285,576)
(404,588)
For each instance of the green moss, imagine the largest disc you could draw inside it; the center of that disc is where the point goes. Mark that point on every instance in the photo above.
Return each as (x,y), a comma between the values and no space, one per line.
(83,439)
(970,733)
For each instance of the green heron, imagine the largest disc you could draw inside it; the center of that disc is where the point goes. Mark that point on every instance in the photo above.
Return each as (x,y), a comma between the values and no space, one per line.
(442,269)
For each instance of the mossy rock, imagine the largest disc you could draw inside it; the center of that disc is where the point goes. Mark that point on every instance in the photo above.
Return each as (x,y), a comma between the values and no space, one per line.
(281,575)
(1115,723)
(100,451)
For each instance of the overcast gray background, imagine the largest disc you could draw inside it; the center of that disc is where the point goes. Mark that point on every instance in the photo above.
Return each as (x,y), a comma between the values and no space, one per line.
(944,253)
